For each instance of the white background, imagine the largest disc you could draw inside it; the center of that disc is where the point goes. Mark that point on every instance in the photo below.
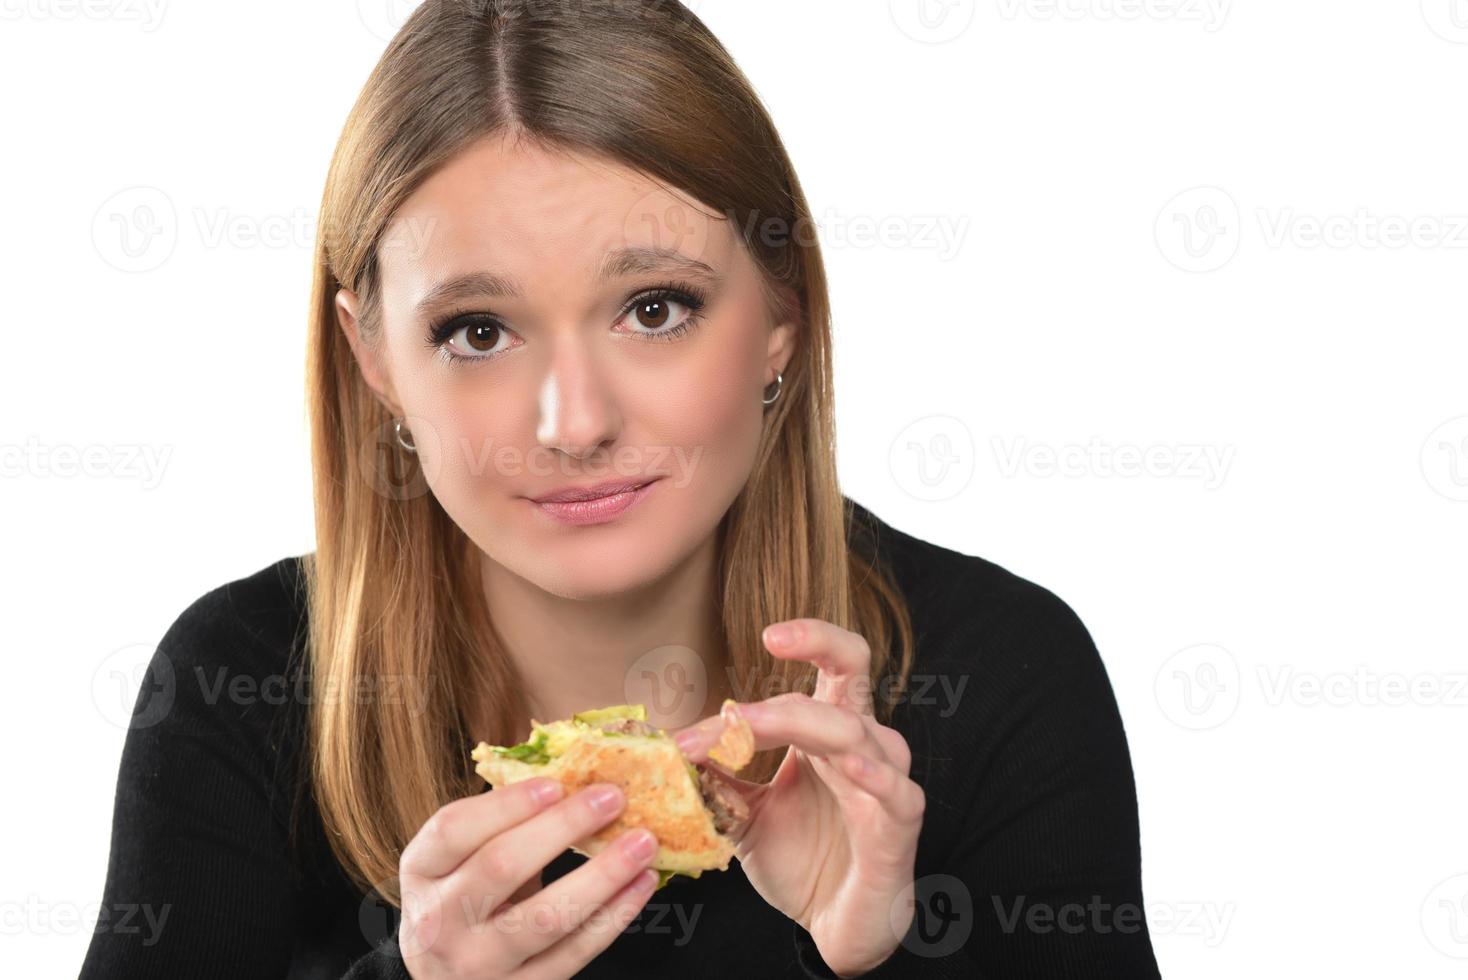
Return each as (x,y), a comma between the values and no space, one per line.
(1283,625)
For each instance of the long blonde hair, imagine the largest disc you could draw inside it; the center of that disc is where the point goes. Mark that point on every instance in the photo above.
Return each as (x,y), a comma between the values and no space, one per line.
(395,599)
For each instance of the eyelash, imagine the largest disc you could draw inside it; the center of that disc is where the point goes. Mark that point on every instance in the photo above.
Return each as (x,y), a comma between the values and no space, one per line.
(445,325)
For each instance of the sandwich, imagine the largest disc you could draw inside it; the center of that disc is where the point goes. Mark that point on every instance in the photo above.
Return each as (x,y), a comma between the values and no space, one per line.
(688,808)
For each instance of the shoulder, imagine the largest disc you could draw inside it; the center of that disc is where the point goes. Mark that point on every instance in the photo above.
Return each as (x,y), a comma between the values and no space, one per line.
(1007,698)
(230,662)
(969,611)
(251,622)
(213,760)
(268,596)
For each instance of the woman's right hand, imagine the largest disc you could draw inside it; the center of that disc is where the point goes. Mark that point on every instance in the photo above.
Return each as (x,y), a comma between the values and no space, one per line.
(470,884)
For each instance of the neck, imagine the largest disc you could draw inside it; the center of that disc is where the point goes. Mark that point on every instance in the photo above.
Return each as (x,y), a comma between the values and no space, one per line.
(577,654)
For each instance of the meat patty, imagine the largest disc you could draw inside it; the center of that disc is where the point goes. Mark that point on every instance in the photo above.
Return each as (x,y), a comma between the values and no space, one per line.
(724,802)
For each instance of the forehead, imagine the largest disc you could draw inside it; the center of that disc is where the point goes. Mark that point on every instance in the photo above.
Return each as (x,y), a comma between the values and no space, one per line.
(546,218)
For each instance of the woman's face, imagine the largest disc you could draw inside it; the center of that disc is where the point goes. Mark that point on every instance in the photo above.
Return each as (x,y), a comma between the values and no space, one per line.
(560,360)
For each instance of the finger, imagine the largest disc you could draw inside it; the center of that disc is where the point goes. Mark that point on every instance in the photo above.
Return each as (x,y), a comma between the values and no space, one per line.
(570,955)
(493,873)
(902,799)
(460,828)
(815,727)
(697,739)
(843,658)
(544,919)
(894,746)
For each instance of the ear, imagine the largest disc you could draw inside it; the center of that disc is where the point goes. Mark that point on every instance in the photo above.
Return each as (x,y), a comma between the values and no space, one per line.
(781,344)
(374,371)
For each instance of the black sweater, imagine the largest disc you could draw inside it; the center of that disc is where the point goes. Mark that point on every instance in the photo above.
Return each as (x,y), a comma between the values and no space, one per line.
(1027,865)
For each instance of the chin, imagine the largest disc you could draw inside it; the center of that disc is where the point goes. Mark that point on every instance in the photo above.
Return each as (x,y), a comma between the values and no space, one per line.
(588,563)
(573,572)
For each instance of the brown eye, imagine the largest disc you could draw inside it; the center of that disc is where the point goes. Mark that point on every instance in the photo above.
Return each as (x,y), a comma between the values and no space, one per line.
(652,313)
(474,337)
(482,337)
(665,314)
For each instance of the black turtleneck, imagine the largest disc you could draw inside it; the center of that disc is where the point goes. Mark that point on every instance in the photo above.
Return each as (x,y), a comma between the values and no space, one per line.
(1028,863)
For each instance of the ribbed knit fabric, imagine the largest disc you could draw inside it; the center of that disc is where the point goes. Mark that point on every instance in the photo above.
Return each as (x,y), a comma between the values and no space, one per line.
(1028,863)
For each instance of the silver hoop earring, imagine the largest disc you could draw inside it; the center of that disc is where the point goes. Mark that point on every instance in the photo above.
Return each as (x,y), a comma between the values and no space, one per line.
(779,387)
(398,429)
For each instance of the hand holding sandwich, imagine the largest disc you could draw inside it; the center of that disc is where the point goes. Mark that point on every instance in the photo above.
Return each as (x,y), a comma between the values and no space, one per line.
(472,900)
(831,840)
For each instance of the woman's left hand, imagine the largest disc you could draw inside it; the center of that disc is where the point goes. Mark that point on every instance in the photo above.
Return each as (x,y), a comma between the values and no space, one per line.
(831,840)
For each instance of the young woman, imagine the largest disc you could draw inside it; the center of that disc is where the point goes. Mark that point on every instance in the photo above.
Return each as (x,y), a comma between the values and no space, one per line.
(567,276)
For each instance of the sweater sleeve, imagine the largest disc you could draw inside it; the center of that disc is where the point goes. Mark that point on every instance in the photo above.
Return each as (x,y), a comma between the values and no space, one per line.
(199,882)
(1045,879)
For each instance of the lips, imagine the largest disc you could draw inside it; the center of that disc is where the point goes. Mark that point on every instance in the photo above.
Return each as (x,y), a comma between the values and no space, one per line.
(593,505)
(567,495)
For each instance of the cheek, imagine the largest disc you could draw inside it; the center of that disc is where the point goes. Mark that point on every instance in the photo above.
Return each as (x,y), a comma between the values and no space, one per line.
(473,431)
(709,403)
(487,437)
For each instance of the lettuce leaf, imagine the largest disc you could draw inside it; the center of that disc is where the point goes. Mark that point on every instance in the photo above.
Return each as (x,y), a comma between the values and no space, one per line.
(532,752)
(665,876)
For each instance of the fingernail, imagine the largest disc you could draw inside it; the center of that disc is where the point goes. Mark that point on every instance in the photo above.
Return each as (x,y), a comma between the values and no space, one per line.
(751,711)
(688,740)
(544,791)
(640,845)
(691,738)
(780,635)
(604,799)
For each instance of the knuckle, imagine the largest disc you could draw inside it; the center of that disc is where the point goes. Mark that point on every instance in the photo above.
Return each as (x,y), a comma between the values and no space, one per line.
(848,727)
(902,759)
(438,829)
(895,745)
(434,833)
(421,914)
(497,862)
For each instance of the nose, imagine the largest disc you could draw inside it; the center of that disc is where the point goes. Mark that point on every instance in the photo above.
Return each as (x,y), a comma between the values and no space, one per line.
(577,411)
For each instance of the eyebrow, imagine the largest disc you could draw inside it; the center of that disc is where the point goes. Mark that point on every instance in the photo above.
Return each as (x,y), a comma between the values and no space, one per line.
(616,264)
